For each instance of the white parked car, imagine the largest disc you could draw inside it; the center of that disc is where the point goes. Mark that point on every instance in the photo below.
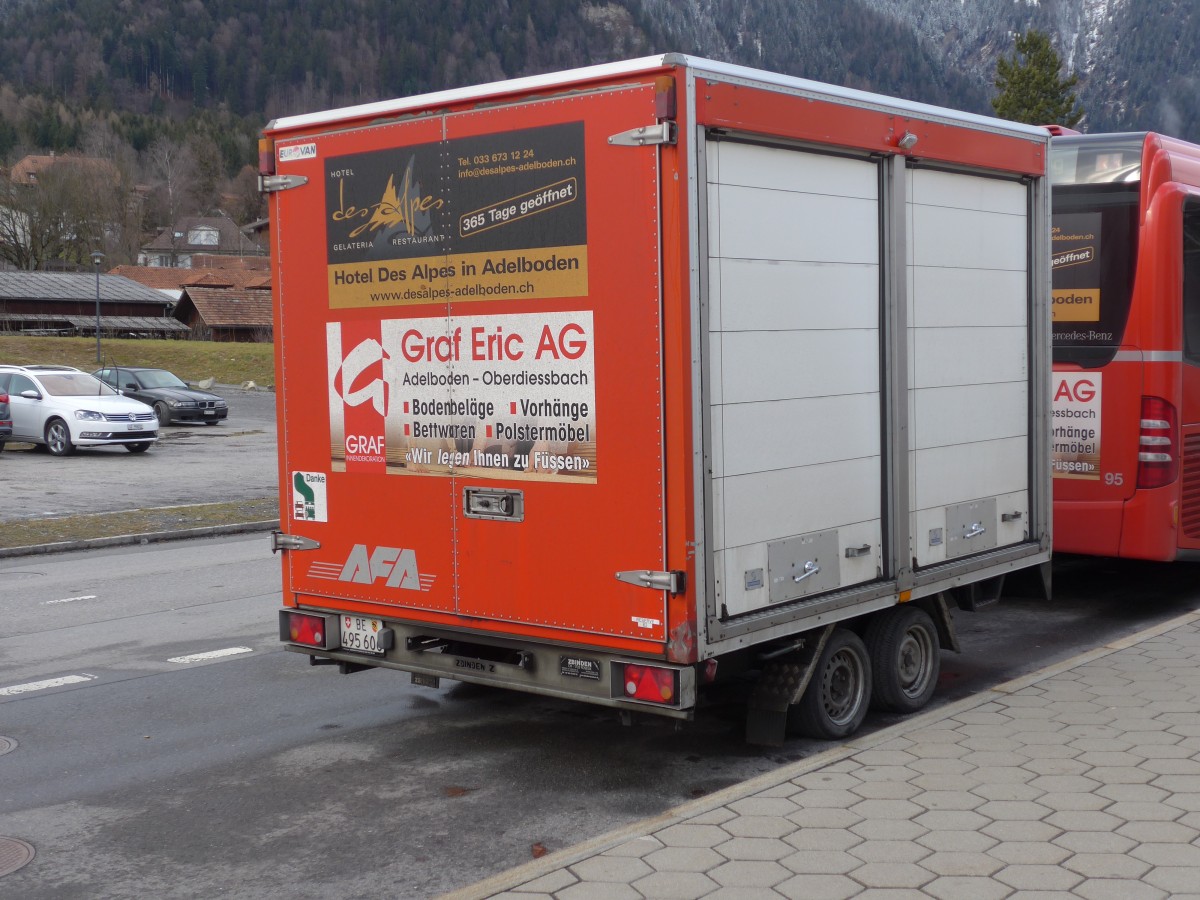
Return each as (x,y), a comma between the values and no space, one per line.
(63,408)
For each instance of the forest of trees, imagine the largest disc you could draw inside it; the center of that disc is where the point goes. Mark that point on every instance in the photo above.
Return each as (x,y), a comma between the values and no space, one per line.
(175,93)
(223,68)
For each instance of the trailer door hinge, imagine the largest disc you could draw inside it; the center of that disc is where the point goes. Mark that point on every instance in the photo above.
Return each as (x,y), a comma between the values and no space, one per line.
(281,541)
(674,582)
(270,183)
(660,133)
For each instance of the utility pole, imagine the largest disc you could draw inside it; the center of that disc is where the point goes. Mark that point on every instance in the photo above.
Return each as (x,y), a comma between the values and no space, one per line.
(97,258)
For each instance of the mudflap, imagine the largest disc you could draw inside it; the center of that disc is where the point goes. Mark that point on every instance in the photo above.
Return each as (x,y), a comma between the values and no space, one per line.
(978,594)
(782,682)
(1030,583)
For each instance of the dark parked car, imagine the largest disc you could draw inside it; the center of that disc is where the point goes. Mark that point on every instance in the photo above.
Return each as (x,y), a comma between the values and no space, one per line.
(173,400)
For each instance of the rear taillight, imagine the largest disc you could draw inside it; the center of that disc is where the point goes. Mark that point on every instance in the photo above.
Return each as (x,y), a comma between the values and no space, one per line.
(309,629)
(652,684)
(1158,443)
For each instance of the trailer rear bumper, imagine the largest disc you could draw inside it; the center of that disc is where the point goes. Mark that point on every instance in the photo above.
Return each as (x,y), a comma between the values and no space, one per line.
(620,681)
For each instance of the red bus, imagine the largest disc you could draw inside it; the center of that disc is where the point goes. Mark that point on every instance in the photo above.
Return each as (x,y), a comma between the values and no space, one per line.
(1126,345)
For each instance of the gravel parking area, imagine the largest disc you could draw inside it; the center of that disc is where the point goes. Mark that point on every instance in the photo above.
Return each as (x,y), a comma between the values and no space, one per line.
(232,460)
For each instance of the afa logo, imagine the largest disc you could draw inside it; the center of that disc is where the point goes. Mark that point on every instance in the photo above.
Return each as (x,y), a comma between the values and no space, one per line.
(359,379)
(396,567)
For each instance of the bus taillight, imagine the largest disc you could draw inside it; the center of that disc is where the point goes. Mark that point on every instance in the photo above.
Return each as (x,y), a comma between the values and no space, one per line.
(1158,443)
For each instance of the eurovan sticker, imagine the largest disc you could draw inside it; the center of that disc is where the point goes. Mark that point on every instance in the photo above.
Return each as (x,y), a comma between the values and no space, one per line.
(297,151)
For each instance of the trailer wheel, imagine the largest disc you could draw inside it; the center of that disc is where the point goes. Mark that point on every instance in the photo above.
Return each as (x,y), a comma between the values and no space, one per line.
(905,659)
(835,702)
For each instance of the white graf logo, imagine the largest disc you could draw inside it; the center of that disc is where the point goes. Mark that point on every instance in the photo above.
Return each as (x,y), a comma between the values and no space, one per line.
(360,378)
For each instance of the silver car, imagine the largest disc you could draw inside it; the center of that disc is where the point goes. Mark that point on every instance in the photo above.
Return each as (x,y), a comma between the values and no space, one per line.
(62,408)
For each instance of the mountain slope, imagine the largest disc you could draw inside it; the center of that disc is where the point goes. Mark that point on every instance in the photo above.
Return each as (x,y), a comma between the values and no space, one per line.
(246,62)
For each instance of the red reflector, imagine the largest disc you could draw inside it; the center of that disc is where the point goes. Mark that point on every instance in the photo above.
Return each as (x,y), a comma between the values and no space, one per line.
(1158,444)
(305,629)
(650,683)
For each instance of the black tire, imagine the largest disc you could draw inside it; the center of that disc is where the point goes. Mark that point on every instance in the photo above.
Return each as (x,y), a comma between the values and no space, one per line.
(1,446)
(835,702)
(905,658)
(58,438)
(163,412)
(138,448)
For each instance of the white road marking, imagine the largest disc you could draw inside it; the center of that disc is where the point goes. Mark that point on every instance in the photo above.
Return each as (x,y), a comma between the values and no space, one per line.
(69,599)
(42,685)
(212,654)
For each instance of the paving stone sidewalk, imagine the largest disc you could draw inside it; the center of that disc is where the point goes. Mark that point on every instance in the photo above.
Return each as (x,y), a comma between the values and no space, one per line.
(1079,781)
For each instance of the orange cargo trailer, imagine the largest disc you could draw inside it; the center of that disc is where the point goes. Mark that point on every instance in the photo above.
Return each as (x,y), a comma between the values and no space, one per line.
(613,383)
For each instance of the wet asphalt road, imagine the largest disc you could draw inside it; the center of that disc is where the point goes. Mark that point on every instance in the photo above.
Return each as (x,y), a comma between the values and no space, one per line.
(156,768)
(256,775)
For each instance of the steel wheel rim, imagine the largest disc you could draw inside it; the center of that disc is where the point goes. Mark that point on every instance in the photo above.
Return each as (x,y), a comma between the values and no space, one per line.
(915,662)
(842,687)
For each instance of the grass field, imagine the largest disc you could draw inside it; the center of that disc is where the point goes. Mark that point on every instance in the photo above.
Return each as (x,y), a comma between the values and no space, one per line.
(144,522)
(228,363)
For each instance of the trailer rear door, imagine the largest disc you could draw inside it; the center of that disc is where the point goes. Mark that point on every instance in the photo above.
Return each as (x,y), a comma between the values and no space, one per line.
(465,299)
(795,391)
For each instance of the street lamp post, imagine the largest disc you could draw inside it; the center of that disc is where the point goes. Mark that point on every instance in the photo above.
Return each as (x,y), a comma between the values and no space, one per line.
(97,257)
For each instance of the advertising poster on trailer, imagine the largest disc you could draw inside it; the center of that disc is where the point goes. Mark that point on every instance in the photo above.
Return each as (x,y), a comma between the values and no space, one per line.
(1075,260)
(1075,433)
(469,221)
(482,218)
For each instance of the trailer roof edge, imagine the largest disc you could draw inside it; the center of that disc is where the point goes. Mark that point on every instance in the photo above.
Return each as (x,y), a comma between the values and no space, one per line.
(699,65)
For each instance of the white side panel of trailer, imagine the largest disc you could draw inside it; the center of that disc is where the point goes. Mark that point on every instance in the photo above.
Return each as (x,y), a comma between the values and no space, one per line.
(794,400)
(969,403)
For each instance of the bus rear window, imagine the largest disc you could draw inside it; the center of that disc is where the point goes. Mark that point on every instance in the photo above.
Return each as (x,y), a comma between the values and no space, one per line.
(1093,251)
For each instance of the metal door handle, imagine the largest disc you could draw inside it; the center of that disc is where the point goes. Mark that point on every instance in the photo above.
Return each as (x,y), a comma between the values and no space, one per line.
(810,569)
(976,530)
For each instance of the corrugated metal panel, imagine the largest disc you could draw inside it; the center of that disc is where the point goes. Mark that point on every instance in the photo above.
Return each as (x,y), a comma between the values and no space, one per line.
(129,323)
(75,286)
(795,390)
(46,322)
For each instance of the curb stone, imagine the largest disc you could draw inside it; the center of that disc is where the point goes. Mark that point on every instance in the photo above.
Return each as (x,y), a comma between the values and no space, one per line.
(126,540)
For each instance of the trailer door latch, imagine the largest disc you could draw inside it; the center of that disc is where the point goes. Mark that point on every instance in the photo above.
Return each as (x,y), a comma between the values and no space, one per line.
(269,184)
(673,582)
(281,541)
(645,136)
